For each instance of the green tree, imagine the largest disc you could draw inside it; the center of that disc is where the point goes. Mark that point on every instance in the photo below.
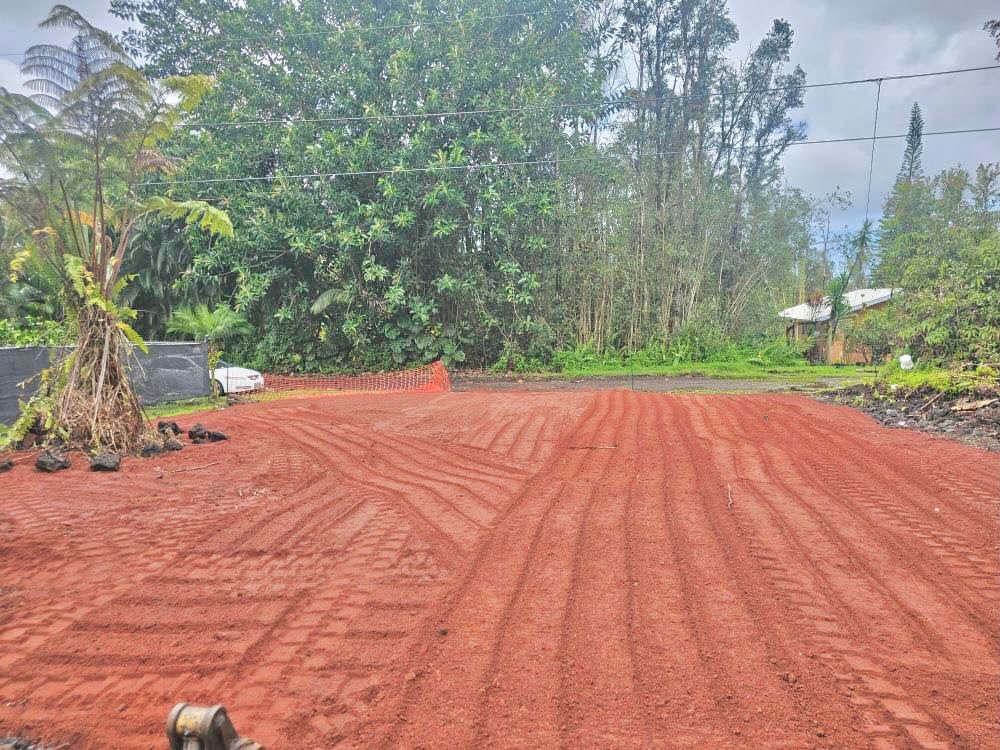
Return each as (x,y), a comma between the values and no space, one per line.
(993,29)
(77,152)
(390,248)
(645,196)
(911,168)
(946,258)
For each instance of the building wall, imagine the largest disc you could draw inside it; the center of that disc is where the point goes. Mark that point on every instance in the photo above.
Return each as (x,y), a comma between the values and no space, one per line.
(169,372)
(838,353)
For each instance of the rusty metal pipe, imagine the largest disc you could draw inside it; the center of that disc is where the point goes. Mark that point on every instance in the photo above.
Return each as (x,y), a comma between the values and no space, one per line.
(204,728)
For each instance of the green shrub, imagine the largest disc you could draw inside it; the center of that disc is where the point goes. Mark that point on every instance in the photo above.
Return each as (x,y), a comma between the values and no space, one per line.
(585,357)
(32,332)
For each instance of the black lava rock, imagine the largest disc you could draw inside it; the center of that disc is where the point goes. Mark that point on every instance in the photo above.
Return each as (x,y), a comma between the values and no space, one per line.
(6,465)
(172,444)
(214,437)
(106,462)
(51,460)
(152,448)
(198,432)
(168,428)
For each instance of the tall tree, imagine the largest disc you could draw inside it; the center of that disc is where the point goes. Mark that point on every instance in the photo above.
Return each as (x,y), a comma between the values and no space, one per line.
(77,152)
(911,168)
(993,29)
(402,245)
(945,254)
(377,231)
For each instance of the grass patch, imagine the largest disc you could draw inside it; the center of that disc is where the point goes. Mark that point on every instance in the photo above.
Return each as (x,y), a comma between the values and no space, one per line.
(729,370)
(188,406)
(698,356)
(955,382)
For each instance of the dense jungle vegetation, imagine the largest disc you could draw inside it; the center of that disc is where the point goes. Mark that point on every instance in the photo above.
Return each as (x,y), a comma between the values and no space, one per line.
(515,184)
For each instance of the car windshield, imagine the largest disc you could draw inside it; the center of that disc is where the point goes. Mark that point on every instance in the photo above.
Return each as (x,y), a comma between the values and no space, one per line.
(222,364)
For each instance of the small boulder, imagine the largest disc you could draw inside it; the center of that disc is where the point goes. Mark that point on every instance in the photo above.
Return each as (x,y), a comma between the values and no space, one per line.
(198,432)
(152,448)
(168,428)
(106,462)
(26,444)
(51,460)
(6,465)
(172,444)
(214,437)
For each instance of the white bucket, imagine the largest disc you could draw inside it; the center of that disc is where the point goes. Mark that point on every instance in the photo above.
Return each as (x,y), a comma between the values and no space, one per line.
(906,362)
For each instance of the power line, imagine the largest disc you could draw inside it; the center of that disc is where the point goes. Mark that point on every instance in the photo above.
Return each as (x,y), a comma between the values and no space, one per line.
(871,161)
(532,162)
(604,103)
(397,27)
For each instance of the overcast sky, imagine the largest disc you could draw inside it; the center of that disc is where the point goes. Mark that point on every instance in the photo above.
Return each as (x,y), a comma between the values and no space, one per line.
(834,40)
(849,39)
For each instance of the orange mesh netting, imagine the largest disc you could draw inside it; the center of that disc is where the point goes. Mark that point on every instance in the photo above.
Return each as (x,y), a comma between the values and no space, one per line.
(432,378)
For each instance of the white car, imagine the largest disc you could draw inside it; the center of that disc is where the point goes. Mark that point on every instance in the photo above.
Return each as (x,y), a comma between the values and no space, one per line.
(230,379)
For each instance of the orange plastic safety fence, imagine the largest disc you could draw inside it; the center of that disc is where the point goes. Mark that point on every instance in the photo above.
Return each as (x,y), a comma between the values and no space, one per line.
(432,378)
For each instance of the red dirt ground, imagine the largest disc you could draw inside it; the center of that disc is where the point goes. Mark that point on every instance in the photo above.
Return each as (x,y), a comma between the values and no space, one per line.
(463,570)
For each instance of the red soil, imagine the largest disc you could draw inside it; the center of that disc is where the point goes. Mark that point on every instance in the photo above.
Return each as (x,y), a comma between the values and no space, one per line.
(596,570)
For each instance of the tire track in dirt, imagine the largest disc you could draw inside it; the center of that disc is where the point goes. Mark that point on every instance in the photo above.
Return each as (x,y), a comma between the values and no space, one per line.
(533,637)
(436,455)
(733,630)
(918,539)
(901,474)
(953,467)
(677,704)
(463,525)
(447,547)
(928,551)
(595,607)
(845,544)
(846,644)
(540,439)
(477,615)
(836,631)
(463,479)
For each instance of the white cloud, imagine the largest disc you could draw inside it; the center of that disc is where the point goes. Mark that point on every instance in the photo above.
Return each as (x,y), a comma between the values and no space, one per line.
(848,39)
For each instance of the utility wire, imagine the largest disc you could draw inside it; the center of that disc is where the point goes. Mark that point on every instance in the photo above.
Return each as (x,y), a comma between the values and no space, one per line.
(603,104)
(871,161)
(531,162)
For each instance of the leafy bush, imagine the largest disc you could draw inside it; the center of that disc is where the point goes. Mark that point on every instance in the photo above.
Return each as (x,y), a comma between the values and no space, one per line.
(927,374)
(693,346)
(585,357)
(875,335)
(32,332)
(779,352)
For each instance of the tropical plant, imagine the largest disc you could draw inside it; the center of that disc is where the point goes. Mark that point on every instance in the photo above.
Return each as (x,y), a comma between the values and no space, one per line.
(77,152)
(836,291)
(873,335)
(208,324)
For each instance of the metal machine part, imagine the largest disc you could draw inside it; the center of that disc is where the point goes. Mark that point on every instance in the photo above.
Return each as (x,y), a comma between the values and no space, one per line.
(204,728)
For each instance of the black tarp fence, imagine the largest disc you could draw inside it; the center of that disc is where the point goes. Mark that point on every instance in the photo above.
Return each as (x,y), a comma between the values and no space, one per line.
(171,371)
